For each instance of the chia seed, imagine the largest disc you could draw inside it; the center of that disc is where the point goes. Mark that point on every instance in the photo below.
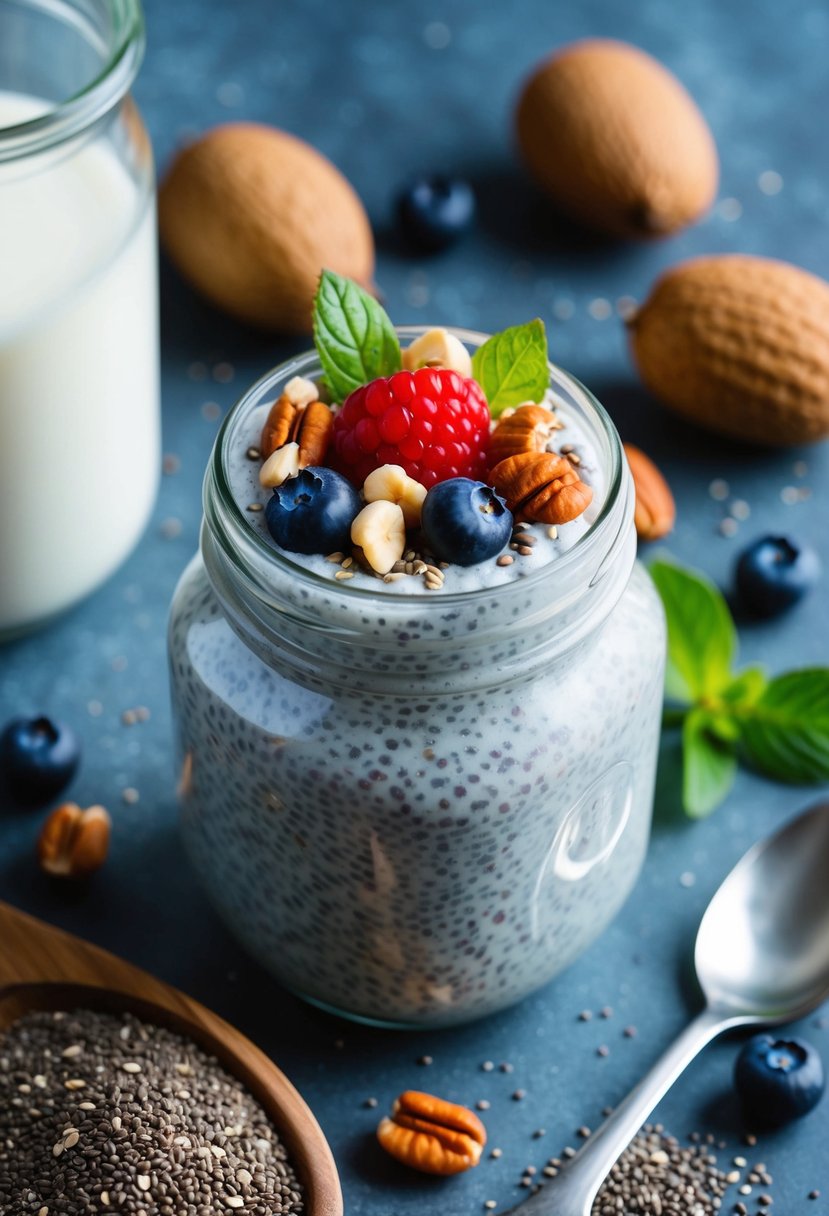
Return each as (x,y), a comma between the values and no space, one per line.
(131,1140)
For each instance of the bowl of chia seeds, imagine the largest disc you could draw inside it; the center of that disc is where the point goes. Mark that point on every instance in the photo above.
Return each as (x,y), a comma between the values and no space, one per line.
(103,1109)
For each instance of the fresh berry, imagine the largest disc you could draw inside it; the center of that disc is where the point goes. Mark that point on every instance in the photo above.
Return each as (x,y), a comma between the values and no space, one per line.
(774,573)
(432,422)
(313,512)
(465,521)
(38,758)
(434,212)
(778,1079)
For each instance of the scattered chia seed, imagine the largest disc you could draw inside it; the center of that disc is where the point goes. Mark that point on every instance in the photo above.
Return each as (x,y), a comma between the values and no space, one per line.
(584,1132)
(728,526)
(425,1060)
(495,1153)
(482,1104)
(211,411)
(370,1103)
(505,1067)
(719,489)
(687,879)
(489,1204)
(603,1051)
(487,1066)
(585,1015)
(130,795)
(519,1094)
(629,1032)
(170,464)
(145,1148)
(813,1195)
(253,453)
(539,1132)
(606,1012)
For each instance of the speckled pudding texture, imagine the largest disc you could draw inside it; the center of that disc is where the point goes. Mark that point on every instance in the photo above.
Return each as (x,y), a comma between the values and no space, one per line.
(416,808)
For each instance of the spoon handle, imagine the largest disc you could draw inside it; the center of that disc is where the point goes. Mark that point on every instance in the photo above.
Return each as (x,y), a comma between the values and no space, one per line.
(572,1192)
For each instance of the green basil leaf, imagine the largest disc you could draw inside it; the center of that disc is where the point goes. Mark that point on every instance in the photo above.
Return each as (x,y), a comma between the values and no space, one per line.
(511,367)
(702,640)
(709,766)
(354,337)
(786,733)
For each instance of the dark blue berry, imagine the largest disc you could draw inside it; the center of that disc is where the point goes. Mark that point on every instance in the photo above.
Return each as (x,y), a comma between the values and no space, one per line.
(465,521)
(38,758)
(778,1079)
(434,212)
(313,512)
(774,573)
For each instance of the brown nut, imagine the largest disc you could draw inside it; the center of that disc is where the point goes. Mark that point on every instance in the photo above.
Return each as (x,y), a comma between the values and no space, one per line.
(74,843)
(541,486)
(432,1135)
(309,426)
(527,429)
(655,510)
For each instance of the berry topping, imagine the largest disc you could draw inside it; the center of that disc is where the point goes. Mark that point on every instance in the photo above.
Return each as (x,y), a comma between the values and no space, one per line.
(432,422)
(38,758)
(778,1079)
(434,212)
(774,573)
(313,512)
(465,521)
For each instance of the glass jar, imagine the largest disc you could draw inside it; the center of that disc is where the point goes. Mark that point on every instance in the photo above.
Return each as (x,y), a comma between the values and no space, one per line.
(414,809)
(79,396)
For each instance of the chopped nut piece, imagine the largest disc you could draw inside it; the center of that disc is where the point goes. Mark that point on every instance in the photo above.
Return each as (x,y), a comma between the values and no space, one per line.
(380,531)
(438,348)
(74,843)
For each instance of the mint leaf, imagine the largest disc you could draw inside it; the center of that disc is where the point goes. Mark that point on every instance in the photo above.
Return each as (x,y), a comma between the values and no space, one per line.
(709,766)
(511,367)
(354,337)
(702,640)
(746,688)
(786,733)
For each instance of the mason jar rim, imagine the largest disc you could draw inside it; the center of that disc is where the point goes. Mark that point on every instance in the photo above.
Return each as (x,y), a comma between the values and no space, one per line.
(247,550)
(123,44)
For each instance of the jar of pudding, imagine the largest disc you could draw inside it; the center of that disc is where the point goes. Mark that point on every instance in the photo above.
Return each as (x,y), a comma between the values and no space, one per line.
(417,804)
(79,396)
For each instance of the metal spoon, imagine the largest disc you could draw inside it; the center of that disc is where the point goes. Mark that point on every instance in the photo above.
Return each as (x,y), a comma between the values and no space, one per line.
(761,957)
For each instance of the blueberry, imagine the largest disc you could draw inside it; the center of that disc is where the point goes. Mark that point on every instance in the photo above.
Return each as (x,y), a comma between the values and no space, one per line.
(38,758)
(778,1079)
(775,572)
(465,521)
(313,512)
(434,212)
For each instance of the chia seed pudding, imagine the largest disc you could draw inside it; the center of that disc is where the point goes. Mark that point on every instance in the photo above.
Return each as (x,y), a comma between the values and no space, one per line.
(416,806)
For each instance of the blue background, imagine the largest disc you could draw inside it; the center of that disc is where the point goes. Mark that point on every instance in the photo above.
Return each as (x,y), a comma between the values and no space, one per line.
(387,90)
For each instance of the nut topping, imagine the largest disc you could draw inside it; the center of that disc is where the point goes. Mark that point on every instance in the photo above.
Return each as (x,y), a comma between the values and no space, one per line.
(541,486)
(526,429)
(432,1135)
(380,531)
(438,348)
(655,510)
(74,843)
(307,425)
(392,483)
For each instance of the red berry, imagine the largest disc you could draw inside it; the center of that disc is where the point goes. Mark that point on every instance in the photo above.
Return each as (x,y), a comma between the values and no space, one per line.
(433,422)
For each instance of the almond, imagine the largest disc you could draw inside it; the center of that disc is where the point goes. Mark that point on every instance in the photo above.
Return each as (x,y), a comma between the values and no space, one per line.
(616,141)
(655,510)
(739,344)
(251,215)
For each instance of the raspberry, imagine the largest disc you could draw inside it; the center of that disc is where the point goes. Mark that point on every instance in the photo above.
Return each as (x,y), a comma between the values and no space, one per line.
(433,422)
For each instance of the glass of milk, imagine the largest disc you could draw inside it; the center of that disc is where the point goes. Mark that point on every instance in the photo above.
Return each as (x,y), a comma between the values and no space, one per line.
(79,396)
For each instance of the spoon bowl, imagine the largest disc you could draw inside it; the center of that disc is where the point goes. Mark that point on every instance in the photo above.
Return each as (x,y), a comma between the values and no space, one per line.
(762,948)
(45,968)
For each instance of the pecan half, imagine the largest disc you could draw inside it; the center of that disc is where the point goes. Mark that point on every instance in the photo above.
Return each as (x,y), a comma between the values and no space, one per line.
(432,1135)
(655,509)
(527,429)
(309,426)
(541,486)
(74,843)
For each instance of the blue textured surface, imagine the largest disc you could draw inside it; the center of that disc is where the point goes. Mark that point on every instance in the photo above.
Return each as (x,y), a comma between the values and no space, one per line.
(386,90)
